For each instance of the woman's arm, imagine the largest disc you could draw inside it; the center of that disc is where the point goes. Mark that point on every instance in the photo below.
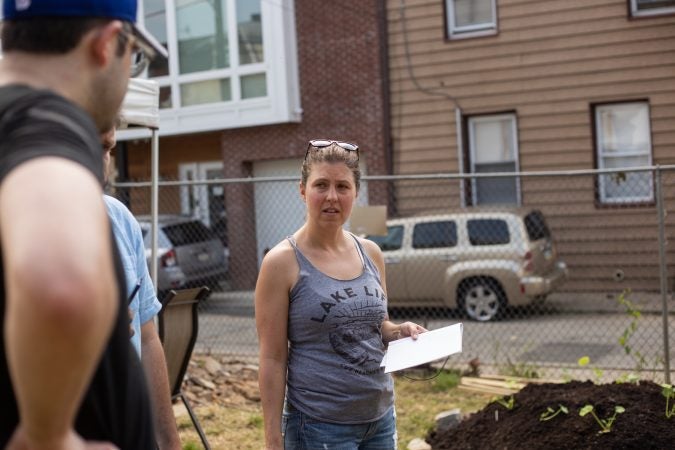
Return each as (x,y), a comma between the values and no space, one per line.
(271,316)
(390,330)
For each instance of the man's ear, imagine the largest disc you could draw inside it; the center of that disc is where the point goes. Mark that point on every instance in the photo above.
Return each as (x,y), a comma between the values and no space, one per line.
(302,191)
(104,43)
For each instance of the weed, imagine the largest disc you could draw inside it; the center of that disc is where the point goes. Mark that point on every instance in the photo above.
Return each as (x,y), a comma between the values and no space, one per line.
(550,413)
(515,369)
(605,424)
(446,380)
(190,446)
(668,392)
(624,339)
(255,421)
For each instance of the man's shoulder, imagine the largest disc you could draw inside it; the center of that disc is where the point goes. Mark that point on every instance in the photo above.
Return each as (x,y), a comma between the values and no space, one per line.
(115,206)
(118,211)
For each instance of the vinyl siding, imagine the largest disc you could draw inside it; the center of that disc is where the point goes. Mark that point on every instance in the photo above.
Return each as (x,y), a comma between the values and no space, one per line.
(549,63)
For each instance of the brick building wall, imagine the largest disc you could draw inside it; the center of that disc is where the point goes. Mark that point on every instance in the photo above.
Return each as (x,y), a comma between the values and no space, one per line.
(343,88)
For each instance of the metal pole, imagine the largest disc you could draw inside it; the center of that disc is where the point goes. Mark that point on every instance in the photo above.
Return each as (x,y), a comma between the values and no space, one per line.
(663,272)
(154,207)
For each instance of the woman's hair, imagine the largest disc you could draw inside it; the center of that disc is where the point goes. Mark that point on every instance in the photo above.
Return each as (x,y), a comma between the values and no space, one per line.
(331,154)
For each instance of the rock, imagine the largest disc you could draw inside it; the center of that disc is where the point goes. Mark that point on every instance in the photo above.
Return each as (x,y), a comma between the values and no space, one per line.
(212,366)
(203,383)
(448,419)
(418,444)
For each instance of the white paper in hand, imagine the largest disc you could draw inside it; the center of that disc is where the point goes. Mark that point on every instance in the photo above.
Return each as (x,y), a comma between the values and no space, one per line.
(429,346)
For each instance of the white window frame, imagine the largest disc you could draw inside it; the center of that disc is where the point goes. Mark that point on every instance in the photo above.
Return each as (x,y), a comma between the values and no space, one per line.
(601,156)
(473,150)
(635,12)
(280,66)
(483,29)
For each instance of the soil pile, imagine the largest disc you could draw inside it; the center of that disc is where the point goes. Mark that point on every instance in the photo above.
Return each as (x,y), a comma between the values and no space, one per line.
(643,425)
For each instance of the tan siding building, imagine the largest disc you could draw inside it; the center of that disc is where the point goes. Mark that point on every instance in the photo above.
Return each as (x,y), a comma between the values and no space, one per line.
(558,82)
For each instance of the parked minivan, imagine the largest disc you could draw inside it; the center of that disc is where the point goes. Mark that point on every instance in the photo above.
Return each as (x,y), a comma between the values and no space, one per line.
(189,254)
(477,260)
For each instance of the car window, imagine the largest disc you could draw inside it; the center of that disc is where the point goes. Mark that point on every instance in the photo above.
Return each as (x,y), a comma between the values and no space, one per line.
(536,226)
(392,241)
(488,231)
(435,235)
(162,240)
(185,233)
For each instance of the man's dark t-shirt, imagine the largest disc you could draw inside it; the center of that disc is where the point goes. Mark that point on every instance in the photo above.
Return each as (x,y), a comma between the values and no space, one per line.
(116,406)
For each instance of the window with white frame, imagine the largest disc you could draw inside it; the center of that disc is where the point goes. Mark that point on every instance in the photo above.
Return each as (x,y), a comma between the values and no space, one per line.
(493,147)
(651,7)
(623,140)
(466,18)
(232,63)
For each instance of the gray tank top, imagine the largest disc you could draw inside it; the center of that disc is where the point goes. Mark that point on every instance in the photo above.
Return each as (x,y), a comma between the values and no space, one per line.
(334,330)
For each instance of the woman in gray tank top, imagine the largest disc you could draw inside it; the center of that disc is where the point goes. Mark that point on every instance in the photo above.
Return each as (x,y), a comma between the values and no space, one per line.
(321,316)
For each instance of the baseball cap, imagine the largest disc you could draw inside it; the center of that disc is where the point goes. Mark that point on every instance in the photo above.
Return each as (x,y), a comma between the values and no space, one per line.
(124,10)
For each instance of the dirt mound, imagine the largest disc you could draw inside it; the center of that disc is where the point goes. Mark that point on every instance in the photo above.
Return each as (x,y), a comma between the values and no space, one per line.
(643,425)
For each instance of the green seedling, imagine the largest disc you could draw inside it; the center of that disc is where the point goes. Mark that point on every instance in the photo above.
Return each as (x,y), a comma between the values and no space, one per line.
(550,413)
(605,424)
(668,392)
(586,360)
(507,402)
(629,378)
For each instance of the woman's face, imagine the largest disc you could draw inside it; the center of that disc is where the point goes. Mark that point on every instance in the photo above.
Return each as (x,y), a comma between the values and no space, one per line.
(329,193)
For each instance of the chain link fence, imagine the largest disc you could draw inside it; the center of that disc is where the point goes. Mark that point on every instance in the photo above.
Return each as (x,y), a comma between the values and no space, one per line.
(582,268)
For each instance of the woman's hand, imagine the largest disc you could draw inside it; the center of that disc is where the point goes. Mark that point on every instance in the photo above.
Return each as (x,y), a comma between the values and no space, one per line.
(410,329)
(392,332)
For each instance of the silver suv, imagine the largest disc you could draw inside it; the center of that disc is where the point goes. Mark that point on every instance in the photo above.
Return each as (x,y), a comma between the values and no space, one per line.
(189,254)
(477,260)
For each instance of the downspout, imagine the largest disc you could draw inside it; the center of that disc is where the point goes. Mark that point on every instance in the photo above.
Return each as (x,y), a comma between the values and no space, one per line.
(386,103)
(434,93)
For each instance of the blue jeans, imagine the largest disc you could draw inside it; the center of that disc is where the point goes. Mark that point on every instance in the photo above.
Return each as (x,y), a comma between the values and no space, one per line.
(301,432)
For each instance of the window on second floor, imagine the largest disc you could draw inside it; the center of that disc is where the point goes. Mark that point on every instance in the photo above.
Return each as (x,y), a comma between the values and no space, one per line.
(623,140)
(640,8)
(232,63)
(493,147)
(467,18)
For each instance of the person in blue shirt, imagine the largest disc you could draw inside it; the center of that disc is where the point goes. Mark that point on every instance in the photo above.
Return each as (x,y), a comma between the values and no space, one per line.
(143,307)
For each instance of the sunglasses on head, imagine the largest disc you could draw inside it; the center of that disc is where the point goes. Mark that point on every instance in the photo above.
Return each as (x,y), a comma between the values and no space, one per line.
(322,143)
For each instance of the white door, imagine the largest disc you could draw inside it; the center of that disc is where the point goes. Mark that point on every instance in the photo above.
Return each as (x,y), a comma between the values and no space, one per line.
(279,210)
(202,201)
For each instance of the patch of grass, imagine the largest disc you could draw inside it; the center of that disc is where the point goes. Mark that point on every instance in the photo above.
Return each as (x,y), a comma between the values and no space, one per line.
(417,404)
(446,379)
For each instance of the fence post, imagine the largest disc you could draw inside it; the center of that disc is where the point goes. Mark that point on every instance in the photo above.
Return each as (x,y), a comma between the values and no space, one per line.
(663,272)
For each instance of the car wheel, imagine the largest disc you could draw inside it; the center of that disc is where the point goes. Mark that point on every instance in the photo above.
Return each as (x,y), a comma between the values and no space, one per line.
(482,299)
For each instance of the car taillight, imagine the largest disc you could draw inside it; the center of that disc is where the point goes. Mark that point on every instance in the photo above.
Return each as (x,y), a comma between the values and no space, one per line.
(527,262)
(168,259)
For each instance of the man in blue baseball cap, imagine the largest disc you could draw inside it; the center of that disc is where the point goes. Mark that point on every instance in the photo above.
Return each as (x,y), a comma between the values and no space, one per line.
(69,378)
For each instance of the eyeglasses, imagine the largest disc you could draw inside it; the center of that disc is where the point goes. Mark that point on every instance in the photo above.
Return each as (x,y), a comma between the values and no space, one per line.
(322,143)
(141,53)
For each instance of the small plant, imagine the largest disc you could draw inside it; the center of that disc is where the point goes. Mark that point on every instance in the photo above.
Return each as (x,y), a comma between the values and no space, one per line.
(506,401)
(629,378)
(668,392)
(586,360)
(550,413)
(624,339)
(446,380)
(605,424)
